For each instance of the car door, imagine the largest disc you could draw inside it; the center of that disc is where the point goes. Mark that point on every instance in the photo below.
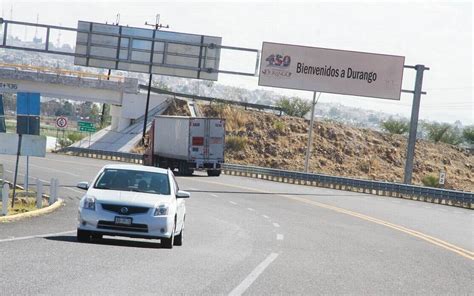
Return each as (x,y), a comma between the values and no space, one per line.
(180,205)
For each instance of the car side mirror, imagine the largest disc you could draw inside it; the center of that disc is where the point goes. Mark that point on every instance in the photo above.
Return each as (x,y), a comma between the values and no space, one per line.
(83,185)
(182,194)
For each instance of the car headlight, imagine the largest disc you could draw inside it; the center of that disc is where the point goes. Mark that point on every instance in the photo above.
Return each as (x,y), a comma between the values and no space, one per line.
(89,203)
(161,210)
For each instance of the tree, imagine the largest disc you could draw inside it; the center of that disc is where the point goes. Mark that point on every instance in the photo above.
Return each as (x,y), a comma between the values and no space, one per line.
(294,106)
(468,134)
(443,132)
(394,126)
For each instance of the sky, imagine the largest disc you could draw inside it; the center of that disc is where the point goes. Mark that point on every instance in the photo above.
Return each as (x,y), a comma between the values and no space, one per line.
(435,34)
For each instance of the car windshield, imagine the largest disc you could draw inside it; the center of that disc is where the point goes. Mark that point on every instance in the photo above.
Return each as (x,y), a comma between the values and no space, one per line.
(132,180)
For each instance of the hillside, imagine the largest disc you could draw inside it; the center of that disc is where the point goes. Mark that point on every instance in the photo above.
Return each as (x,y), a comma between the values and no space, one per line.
(263,139)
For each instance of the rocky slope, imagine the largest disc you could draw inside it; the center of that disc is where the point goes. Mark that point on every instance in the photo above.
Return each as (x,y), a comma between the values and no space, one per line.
(263,139)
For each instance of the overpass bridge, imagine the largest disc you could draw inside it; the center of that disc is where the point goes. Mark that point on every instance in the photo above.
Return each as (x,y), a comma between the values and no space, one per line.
(123,94)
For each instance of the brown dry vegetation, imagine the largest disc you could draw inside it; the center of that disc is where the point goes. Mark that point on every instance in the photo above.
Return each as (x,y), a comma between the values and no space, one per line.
(340,150)
(267,140)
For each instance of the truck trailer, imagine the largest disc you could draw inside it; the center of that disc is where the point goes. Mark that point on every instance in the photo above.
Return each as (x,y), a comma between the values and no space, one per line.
(187,144)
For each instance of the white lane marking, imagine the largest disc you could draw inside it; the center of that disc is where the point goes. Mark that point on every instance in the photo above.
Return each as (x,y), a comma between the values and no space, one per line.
(276,225)
(54,170)
(234,203)
(215,195)
(458,212)
(192,188)
(34,236)
(74,162)
(280,236)
(75,190)
(248,281)
(265,216)
(250,209)
(20,174)
(427,207)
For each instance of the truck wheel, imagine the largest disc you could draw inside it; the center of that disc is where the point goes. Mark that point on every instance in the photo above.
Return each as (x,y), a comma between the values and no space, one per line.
(214,173)
(184,170)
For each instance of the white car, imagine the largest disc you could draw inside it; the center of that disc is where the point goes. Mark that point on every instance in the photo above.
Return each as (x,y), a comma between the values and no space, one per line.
(133,201)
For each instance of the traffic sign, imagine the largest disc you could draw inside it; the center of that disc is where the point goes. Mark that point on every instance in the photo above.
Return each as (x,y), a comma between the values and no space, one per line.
(85,126)
(61,122)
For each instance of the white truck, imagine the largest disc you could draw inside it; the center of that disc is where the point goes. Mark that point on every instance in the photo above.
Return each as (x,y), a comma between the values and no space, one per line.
(186,144)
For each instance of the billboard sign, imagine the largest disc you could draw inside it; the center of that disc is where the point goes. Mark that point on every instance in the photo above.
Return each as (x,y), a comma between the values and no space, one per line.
(331,71)
(147,51)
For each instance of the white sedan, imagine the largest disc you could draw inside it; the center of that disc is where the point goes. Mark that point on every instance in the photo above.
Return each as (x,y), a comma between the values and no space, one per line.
(133,201)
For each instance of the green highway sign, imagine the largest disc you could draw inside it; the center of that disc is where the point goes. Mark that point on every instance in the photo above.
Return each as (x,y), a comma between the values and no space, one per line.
(85,126)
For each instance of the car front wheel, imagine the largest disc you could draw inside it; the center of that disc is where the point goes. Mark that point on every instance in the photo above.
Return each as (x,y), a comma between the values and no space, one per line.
(167,243)
(178,240)
(83,236)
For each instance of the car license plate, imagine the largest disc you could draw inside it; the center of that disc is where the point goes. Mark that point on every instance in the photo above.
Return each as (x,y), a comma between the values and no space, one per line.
(123,220)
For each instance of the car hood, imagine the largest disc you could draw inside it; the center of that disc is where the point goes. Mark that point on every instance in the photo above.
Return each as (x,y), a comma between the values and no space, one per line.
(128,197)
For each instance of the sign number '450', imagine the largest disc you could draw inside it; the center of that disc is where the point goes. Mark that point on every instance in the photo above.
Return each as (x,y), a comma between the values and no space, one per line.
(278,60)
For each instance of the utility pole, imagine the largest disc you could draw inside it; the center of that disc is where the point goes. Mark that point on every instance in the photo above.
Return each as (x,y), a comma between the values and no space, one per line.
(157,26)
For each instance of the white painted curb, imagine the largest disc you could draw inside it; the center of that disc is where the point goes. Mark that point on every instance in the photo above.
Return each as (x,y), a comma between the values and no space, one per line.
(35,213)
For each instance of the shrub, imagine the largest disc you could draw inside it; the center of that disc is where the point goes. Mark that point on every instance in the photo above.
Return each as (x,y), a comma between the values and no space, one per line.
(279,126)
(74,137)
(294,106)
(64,142)
(235,143)
(468,134)
(444,132)
(235,118)
(394,126)
(430,181)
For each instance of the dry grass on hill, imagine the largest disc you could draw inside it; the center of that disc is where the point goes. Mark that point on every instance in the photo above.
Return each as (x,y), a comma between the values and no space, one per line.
(263,139)
(267,140)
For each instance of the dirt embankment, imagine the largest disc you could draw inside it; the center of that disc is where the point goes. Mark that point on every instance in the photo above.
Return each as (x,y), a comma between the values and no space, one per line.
(280,142)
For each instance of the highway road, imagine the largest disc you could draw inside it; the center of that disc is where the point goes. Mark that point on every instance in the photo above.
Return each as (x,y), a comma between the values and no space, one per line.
(244,237)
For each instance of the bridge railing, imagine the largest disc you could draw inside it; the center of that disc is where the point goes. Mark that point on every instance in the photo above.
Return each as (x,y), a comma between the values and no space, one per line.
(65,72)
(398,190)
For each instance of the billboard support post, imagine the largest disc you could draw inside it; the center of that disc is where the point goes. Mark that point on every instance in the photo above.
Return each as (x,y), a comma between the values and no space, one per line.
(27,174)
(310,135)
(414,123)
(149,84)
(146,108)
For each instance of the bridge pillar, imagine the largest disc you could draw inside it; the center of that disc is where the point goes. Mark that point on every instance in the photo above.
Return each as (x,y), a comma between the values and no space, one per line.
(123,123)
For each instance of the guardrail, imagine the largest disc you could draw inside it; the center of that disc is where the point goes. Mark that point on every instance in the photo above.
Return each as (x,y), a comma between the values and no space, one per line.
(413,192)
(101,154)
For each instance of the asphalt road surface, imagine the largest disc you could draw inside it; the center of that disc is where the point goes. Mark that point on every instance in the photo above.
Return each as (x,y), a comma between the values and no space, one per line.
(243,236)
